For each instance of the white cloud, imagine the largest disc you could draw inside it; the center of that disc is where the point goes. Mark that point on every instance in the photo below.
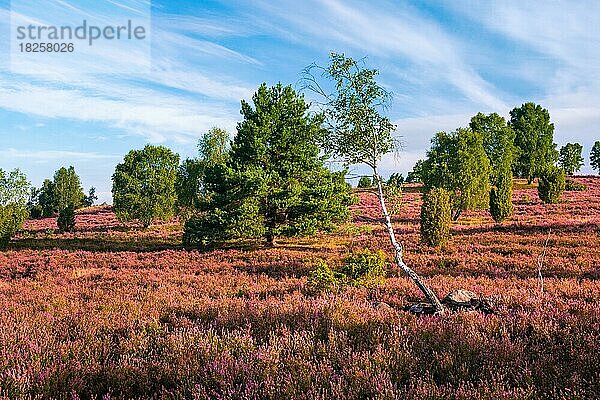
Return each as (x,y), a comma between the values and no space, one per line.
(395,33)
(176,101)
(51,155)
(159,117)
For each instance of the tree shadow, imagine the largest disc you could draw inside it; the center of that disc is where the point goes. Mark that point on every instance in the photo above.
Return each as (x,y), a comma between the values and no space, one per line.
(525,230)
(94,244)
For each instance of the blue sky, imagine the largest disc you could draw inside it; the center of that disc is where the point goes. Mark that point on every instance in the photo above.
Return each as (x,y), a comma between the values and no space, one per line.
(443,60)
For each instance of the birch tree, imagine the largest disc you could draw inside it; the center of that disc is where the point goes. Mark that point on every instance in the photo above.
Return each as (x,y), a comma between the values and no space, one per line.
(358,132)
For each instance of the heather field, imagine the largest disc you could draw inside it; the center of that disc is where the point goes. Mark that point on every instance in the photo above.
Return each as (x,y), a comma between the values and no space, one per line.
(114,311)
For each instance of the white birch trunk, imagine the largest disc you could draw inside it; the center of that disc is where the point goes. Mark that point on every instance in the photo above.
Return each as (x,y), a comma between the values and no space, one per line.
(435,302)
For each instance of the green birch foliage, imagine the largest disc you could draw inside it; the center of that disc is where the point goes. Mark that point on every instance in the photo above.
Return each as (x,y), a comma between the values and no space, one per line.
(66,189)
(358,132)
(498,143)
(144,185)
(534,138)
(213,149)
(458,163)
(570,158)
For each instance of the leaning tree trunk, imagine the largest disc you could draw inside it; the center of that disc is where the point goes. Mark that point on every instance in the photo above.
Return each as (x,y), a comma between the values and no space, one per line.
(435,302)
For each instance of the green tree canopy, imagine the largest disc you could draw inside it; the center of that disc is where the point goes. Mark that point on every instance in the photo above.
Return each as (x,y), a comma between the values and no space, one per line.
(595,156)
(364,182)
(67,195)
(66,189)
(498,142)
(213,149)
(570,158)
(534,138)
(91,197)
(416,175)
(14,193)
(274,182)
(144,185)
(458,163)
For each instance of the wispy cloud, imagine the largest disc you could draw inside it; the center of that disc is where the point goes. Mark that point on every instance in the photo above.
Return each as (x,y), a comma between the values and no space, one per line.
(390,32)
(51,155)
(158,117)
(176,101)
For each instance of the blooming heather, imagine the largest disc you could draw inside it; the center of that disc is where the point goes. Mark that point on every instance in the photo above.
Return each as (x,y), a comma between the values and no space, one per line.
(112,311)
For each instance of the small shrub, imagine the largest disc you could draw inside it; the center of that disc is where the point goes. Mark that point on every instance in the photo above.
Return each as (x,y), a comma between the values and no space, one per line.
(364,268)
(572,185)
(365,182)
(66,219)
(435,217)
(501,206)
(551,185)
(323,278)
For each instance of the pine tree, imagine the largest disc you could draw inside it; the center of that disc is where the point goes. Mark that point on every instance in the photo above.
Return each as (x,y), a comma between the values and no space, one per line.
(274,182)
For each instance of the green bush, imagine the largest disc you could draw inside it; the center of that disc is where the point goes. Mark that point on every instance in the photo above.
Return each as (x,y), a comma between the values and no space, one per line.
(551,185)
(66,219)
(501,205)
(206,229)
(365,182)
(435,217)
(323,278)
(364,268)
(572,185)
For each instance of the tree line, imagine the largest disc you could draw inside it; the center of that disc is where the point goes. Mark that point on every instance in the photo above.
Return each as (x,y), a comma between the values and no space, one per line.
(58,197)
